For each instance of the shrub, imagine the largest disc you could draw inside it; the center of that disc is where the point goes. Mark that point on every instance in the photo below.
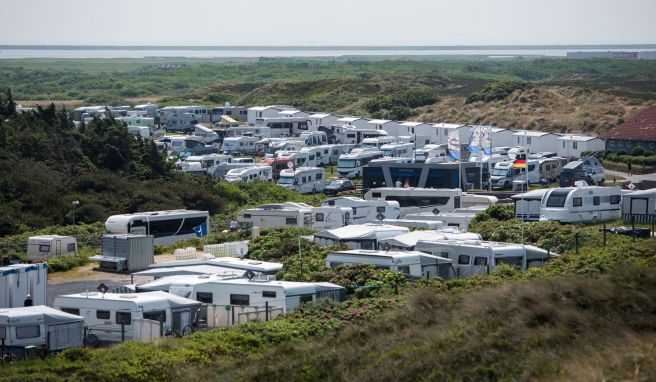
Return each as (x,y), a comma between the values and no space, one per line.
(497,91)
(648,153)
(637,151)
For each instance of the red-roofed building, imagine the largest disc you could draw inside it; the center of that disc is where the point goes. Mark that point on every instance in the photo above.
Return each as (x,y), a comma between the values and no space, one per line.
(637,131)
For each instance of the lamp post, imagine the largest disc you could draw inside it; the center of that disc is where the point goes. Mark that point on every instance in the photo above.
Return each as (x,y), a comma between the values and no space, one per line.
(75,203)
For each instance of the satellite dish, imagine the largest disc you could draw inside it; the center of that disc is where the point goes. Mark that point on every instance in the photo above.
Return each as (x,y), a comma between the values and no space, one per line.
(102,288)
(436,211)
(227,104)
(380,217)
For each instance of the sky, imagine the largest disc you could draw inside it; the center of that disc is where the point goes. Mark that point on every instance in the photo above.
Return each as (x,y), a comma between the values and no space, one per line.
(327,22)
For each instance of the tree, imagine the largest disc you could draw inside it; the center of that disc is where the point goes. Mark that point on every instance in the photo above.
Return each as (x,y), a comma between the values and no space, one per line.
(7,105)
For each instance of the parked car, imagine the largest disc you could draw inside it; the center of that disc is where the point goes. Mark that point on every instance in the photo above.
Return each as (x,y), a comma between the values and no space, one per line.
(338,185)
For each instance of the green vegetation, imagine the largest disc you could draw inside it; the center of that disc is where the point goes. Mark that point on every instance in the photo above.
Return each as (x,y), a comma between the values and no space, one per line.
(496,91)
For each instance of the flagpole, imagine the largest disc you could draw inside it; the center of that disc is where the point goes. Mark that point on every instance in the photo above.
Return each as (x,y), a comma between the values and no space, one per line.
(524,204)
(489,161)
(480,157)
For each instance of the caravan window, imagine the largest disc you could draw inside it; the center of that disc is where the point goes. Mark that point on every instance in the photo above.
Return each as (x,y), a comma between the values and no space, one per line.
(375,194)
(31,331)
(614,199)
(155,315)
(480,260)
(319,176)
(204,297)
(557,199)
(269,293)
(70,247)
(380,209)
(306,298)
(595,200)
(404,269)
(513,261)
(463,260)
(44,248)
(577,202)
(103,314)
(239,299)
(318,217)
(291,221)
(74,311)
(124,318)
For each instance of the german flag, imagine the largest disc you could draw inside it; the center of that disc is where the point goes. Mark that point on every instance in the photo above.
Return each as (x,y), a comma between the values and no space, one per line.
(519,163)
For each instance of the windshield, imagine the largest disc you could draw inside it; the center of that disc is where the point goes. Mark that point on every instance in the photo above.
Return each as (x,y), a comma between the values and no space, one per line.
(346,163)
(500,172)
(388,153)
(336,183)
(286,180)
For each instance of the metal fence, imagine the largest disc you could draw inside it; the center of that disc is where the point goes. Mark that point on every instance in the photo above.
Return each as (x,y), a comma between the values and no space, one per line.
(222,316)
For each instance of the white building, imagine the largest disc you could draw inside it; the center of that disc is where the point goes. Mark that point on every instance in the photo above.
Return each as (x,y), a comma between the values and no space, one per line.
(357,122)
(271,111)
(293,113)
(536,141)
(393,128)
(572,145)
(420,129)
(442,131)
(322,119)
(502,137)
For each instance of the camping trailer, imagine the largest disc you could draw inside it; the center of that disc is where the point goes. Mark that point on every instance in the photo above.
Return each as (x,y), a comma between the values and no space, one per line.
(413,264)
(639,206)
(295,215)
(46,328)
(415,199)
(476,257)
(246,174)
(19,280)
(41,248)
(366,211)
(408,241)
(110,317)
(358,236)
(304,180)
(581,204)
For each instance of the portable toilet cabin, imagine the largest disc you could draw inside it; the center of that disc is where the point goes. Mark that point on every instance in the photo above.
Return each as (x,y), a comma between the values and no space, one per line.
(19,280)
(41,248)
(125,252)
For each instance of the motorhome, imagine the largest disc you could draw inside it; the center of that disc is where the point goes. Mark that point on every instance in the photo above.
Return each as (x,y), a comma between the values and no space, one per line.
(415,200)
(320,153)
(366,211)
(314,138)
(639,206)
(295,215)
(43,247)
(432,152)
(350,165)
(180,122)
(475,257)
(19,280)
(257,291)
(517,152)
(378,142)
(45,328)
(527,205)
(193,145)
(504,174)
(397,150)
(299,158)
(358,236)
(304,180)
(166,226)
(582,204)
(353,136)
(413,264)
(110,317)
(203,163)
(246,174)
(284,126)
(205,134)
(239,145)
(588,169)
(173,143)
(261,132)
(550,168)
(408,241)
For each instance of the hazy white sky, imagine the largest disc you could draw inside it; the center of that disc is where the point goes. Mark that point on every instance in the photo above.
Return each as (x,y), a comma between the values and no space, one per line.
(327,22)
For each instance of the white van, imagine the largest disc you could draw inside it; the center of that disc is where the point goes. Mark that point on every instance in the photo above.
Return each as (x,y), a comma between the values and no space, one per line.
(239,145)
(366,211)
(305,180)
(504,174)
(397,150)
(246,174)
(350,165)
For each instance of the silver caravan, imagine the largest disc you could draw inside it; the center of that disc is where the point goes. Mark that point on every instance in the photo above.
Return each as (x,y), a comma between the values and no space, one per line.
(413,264)
(19,280)
(246,174)
(582,204)
(41,248)
(366,211)
(295,215)
(46,328)
(358,236)
(639,206)
(111,317)
(527,205)
(408,241)
(475,257)
(414,200)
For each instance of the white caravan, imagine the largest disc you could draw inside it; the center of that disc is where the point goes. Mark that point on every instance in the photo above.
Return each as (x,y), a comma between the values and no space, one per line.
(527,205)
(582,204)
(142,132)
(475,257)
(517,152)
(397,150)
(107,314)
(259,172)
(458,220)
(314,138)
(167,227)
(377,143)
(19,280)
(46,328)
(366,211)
(318,152)
(504,174)
(413,264)
(203,163)
(358,236)
(431,152)
(350,165)
(295,215)
(416,200)
(639,206)
(206,134)
(408,241)
(261,132)
(239,145)
(304,180)
(41,248)
(222,169)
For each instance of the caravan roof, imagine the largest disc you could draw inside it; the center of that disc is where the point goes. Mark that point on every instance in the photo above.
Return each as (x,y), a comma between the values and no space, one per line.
(204,269)
(226,262)
(363,231)
(410,239)
(145,301)
(164,283)
(395,256)
(11,316)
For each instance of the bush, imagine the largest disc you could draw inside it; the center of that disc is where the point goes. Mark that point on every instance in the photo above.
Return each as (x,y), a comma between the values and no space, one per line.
(648,153)
(637,151)
(497,91)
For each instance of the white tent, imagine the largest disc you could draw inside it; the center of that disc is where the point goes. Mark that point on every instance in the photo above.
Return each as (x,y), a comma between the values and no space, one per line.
(40,326)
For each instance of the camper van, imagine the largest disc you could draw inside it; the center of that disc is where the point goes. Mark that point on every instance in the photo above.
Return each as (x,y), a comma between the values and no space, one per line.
(588,169)
(167,227)
(314,138)
(239,145)
(205,134)
(260,172)
(350,165)
(41,248)
(366,211)
(295,215)
(550,168)
(432,152)
(504,174)
(582,204)
(203,163)
(415,199)
(19,280)
(359,236)
(305,180)
(413,264)
(46,328)
(397,150)
(107,315)
(476,257)
(517,152)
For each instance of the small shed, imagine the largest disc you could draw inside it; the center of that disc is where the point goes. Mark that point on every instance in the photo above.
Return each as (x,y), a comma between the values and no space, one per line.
(41,248)
(639,205)
(40,326)
(125,252)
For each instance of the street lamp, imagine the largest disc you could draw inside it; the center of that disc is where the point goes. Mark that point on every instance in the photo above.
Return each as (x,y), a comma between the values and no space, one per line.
(75,203)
